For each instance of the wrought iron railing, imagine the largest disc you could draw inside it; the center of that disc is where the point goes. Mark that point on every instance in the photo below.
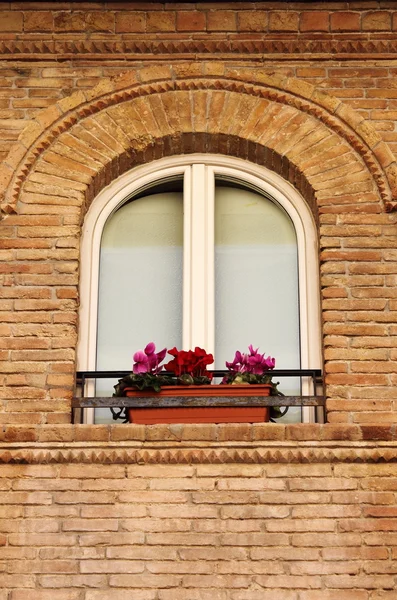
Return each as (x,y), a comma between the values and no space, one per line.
(84,379)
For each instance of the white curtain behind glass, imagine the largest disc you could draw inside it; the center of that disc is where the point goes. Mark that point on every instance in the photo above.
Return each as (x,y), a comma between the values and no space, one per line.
(140,283)
(256,282)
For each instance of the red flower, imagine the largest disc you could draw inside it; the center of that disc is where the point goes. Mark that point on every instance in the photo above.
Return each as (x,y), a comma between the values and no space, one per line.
(189,362)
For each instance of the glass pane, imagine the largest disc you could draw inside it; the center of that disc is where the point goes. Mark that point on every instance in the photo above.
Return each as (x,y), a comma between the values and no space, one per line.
(256,282)
(140,285)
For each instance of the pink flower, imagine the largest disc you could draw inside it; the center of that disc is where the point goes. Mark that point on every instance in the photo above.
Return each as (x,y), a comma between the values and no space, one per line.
(161,355)
(254,362)
(147,360)
(150,348)
(141,364)
(270,362)
(239,364)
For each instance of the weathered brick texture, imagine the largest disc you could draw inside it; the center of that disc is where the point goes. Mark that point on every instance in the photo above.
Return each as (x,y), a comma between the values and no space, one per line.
(27,86)
(234,512)
(333,157)
(322,125)
(158,526)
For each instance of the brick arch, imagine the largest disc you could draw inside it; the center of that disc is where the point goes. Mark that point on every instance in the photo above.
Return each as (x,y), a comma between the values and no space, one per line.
(215,143)
(74,148)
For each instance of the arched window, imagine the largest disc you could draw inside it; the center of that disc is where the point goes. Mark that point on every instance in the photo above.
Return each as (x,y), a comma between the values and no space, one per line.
(199,250)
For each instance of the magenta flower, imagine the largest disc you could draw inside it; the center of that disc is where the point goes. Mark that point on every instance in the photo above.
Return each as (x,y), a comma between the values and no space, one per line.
(150,352)
(254,362)
(150,348)
(147,360)
(252,351)
(161,355)
(141,362)
(270,362)
(239,364)
(258,363)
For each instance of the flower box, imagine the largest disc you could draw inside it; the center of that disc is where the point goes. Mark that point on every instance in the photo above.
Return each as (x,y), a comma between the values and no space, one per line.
(247,377)
(201,414)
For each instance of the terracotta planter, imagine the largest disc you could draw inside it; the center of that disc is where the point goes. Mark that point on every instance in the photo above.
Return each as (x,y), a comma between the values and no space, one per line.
(201,414)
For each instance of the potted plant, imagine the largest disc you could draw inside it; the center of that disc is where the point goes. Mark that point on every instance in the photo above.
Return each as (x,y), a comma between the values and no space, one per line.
(253,368)
(186,376)
(146,373)
(188,369)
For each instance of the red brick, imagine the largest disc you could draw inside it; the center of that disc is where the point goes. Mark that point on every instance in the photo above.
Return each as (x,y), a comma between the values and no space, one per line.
(255,20)
(283,21)
(314,21)
(38,21)
(100,21)
(191,20)
(130,22)
(11,21)
(376,21)
(345,21)
(92,433)
(158,21)
(69,21)
(221,20)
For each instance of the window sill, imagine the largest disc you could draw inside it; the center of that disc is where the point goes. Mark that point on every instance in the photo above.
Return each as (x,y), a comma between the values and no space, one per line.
(240,434)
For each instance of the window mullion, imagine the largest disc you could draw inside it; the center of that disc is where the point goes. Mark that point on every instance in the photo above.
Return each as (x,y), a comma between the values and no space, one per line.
(198,313)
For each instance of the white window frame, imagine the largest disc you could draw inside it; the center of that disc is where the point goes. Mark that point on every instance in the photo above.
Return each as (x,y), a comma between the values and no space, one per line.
(198,283)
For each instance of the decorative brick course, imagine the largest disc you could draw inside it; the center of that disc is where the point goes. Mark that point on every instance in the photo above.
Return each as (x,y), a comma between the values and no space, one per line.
(214,520)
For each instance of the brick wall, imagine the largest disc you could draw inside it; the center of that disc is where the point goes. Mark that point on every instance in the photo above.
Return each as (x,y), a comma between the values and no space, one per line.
(346,49)
(70,151)
(197,512)
(211,512)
